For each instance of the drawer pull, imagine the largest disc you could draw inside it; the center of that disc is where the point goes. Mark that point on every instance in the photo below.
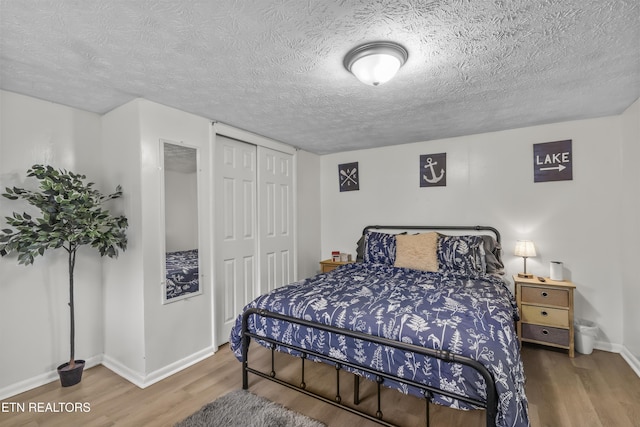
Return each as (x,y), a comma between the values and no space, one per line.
(544,313)
(544,294)
(545,332)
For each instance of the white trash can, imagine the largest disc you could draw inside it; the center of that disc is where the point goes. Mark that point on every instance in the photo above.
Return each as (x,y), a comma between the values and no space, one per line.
(585,335)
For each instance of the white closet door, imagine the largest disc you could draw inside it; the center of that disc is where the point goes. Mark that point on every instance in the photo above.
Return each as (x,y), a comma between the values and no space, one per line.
(275,201)
(236,233)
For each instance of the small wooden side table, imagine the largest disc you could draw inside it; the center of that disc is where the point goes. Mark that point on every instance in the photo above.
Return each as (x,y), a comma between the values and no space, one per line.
(328,265)
(546,312)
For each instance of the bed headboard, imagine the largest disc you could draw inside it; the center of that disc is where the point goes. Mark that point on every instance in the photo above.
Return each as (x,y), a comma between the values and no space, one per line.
(435,227)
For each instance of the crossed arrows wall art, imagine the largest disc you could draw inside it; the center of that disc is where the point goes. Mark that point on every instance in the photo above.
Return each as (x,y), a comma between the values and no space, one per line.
(348,175)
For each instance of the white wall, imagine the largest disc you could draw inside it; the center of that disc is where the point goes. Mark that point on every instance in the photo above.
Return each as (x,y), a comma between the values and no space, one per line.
(121,320)
(176,331)
(34,316)
(123,295)
(308,214)
(631,227)
(490,182)
(172,335)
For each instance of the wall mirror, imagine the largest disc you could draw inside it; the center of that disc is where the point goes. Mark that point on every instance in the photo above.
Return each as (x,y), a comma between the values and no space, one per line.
(181,243)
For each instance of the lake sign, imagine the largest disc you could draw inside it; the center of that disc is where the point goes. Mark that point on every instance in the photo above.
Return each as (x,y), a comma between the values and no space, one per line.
(553,161)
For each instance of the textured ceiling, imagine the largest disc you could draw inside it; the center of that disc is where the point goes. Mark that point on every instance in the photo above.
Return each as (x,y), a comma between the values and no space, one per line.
(274,67)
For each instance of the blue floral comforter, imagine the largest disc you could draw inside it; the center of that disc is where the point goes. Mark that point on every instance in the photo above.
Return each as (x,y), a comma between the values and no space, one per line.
(472,316)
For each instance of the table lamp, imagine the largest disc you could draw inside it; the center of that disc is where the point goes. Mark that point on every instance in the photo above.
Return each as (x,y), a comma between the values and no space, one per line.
(525,249)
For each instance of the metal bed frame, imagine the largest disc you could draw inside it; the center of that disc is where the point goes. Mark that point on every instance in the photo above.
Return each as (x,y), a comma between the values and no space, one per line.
(490,405)
(436,227)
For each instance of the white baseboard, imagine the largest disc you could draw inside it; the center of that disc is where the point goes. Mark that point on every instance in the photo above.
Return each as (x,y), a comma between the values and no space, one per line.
(144,381)
(42,379)
(130,375)
(125,372)
(607,346)
(177,366)
(632,360)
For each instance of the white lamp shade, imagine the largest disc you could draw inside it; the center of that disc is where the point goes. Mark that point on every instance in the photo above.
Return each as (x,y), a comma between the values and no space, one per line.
(525,248)
(375,69)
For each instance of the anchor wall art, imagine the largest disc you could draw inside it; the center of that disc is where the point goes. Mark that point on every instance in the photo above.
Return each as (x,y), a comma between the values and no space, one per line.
(349,176)
(433,170)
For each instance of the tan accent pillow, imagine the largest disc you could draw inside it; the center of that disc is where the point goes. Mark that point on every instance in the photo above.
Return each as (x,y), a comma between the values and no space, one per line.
(417,251)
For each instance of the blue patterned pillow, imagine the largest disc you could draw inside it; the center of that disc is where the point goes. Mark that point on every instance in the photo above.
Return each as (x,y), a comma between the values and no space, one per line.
(380,248)
(464,254)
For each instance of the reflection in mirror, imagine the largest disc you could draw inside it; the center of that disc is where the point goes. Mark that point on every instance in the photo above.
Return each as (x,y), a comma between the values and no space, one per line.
(181,221)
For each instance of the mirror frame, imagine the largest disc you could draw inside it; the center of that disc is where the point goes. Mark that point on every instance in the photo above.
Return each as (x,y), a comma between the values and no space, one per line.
(163,225)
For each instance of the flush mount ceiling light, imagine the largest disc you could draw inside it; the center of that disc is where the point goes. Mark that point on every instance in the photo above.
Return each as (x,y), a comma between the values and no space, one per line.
(375,63)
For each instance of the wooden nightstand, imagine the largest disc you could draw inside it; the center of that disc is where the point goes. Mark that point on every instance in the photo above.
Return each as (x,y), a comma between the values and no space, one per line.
(546,312)
(327,265)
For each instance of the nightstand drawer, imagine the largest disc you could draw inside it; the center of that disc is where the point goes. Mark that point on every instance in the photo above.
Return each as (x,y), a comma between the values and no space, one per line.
(545,334)
(327,268)
(546,296)
(545,315)
(330,265)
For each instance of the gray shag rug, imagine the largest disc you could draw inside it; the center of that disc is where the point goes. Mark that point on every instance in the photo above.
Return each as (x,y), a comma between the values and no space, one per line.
(243,409)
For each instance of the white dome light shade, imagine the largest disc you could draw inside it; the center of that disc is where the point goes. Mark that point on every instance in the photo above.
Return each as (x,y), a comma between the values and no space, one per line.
(375,63)
(376,69)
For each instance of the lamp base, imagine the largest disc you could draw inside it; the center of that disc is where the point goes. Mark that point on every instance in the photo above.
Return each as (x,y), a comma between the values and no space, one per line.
(525,275)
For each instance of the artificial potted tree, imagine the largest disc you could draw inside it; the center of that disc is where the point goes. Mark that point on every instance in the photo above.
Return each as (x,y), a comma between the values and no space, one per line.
(71,216)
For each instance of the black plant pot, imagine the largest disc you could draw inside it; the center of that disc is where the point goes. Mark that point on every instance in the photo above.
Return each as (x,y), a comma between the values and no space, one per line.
(70,376)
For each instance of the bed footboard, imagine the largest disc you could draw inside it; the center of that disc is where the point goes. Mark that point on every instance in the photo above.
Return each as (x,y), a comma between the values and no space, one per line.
(490,405)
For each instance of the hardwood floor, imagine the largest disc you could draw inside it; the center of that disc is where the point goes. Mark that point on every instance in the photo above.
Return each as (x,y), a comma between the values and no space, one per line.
(595,390)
